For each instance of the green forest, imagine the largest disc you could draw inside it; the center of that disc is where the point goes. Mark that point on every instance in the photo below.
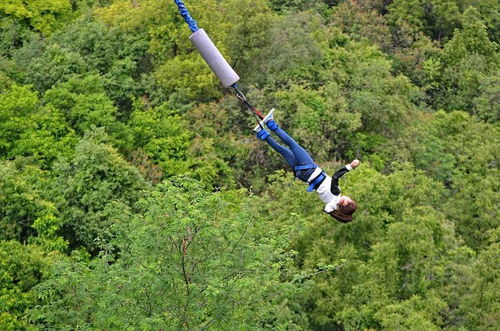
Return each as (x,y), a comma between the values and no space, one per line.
(134,194)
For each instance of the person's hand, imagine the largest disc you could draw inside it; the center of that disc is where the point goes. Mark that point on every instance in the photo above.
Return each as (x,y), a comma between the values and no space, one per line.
(355,163)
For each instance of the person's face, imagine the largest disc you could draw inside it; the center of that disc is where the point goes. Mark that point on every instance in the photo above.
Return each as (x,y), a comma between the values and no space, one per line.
(344,201)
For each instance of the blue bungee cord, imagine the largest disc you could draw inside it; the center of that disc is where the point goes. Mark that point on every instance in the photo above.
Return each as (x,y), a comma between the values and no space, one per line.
(187,17)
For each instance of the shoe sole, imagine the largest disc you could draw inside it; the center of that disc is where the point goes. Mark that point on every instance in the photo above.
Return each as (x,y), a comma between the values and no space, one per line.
(264,121)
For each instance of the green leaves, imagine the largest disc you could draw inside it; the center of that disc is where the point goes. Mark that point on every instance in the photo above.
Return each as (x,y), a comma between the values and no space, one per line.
(55,65)
(436,18)
(83,103)
(163,136)
(23,199)
(21,269)
(479,304)
(462,153)
(400,252)
(41,15)
(121,157)
(28,129)
(468,60)
(14,105)
(187,258)
(96,176)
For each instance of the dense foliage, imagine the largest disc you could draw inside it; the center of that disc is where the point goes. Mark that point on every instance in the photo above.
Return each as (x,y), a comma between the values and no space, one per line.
(134,195)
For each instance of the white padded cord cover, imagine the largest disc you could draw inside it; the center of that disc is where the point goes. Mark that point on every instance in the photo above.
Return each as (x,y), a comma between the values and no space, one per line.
(214,58)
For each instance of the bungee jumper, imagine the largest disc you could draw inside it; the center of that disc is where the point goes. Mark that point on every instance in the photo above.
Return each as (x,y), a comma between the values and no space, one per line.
(339,207)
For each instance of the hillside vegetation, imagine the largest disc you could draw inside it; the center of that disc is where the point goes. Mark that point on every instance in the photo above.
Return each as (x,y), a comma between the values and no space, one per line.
(134,195)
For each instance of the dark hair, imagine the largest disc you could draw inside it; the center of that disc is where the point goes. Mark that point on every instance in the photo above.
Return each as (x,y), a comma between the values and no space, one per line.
(344,213)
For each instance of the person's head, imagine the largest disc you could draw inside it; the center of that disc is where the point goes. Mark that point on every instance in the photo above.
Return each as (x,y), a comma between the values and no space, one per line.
(345,208)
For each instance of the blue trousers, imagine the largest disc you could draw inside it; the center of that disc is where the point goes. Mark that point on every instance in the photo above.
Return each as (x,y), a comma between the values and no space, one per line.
(294,155)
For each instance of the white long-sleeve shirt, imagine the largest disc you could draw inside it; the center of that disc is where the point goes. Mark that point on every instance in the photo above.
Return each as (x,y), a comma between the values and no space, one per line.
(324,190)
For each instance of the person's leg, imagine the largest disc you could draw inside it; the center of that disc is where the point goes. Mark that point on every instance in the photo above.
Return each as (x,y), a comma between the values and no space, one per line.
(300,154)
(287,153)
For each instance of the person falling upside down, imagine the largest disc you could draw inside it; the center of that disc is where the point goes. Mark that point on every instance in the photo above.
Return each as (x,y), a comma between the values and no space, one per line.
(339,207)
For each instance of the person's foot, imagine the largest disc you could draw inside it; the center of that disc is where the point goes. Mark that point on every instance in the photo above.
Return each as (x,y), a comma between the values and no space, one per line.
(262,134)
(268,117)
(271,124)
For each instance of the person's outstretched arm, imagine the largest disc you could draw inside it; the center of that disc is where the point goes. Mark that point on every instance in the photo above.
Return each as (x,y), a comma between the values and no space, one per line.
(335,178)
(346,169)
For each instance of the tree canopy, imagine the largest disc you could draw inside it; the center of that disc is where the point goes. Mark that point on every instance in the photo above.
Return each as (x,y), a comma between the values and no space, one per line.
(134,195)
